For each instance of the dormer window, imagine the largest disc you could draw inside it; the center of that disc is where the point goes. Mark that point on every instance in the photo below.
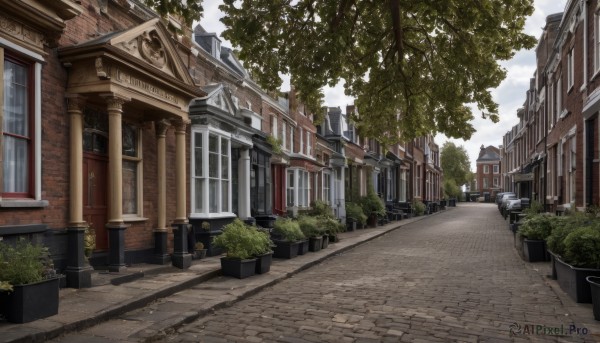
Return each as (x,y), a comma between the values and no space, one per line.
(216,48)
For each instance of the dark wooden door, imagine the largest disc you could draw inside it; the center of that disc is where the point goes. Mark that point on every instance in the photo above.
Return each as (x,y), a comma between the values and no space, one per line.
(95,172)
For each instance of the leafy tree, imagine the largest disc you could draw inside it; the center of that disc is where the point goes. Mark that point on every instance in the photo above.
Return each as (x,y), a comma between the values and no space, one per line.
(411,65)
(451,189)
(188,10)
(455,163)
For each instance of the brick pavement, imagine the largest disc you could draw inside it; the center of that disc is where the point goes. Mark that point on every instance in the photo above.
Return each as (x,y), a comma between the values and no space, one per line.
(450,277)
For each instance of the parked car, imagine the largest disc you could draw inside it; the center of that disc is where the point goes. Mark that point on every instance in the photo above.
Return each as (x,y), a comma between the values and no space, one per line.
(513,204)
(505,198)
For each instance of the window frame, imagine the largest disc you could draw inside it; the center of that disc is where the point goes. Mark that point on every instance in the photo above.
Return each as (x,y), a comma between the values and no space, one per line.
(570,69)
(34,198)
(496,169)
(139,177)
(486,169)
(205,211)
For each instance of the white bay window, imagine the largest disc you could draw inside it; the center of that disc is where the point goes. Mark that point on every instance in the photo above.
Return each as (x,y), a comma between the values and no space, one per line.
(211,173)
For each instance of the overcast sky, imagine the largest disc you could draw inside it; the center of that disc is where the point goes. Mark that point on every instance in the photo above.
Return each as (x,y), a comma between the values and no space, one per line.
(510,95)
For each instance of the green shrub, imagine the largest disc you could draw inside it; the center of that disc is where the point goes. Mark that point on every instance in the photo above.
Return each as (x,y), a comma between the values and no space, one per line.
(418,207)
(372,204)
(321,208)
(536,226)
(23,263)
(582,247)
(242,241)
(309,226)
(563,226)
(535,207)
(330,226)
(354,211)
(288,230)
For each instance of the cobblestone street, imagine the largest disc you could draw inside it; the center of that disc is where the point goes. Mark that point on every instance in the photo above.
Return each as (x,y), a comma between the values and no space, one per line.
(454,276)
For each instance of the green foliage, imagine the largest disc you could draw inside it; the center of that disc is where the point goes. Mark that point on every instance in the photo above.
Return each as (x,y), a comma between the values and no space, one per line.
(242,241)
(276,144)
(188,10)
(372,204)
(23,263)
(5,286)
(561,228)
(330,225)
(309,226)
(582,247)
(422,59)
(418,207)
(199,246)
(288,230)
(537,226)
(456,165)
(355,211)
(451,190)
(321,208)
(534,208)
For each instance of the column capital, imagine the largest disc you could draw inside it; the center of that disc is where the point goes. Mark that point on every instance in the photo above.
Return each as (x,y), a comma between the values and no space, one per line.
(75,102)
(161,127)
(115,102)
(180,125)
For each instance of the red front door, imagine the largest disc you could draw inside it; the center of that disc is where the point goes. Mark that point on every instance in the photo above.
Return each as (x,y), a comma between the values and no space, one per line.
(95,196)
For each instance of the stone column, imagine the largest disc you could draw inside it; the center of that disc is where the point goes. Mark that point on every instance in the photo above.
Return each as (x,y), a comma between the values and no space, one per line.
(244,184)
(341,193)
(161,255)
(116,227)
(181,258)
(77,272)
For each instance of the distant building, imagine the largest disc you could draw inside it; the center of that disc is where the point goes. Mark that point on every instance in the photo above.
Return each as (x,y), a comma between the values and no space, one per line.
(488,180)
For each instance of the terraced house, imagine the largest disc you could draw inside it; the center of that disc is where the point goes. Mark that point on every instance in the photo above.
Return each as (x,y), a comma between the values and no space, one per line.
(154,139)
(552,154)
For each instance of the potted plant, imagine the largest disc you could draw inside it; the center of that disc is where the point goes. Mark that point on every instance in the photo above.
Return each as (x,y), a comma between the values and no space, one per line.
(331,227)
(354,216)
(535,229)
(575,245)
(239,242)
(263,252)
(199,251)
(373,207)
(89,240)
(28,283)
(309,227)
(419,208)
(286,236)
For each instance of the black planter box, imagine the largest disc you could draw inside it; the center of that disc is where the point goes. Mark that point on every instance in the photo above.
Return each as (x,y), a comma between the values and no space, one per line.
(534,250)
(325,242)
(572,280)
(238,268)
(30,302)
(263,263)
(315,243)
(285,249)
(594,282)
(302,247)
(334,238)
(350,225)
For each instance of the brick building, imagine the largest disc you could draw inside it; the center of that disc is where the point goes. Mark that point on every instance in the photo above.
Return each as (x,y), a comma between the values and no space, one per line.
(487,175)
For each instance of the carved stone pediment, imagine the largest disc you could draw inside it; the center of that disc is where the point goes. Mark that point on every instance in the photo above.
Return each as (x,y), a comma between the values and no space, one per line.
(151,43)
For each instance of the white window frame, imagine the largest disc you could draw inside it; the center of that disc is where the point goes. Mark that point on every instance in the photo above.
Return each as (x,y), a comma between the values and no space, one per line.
(139,181)
(301,134)
(37,60)
(284,135)
(496,169)
(308,146)
(274,131)
(558,99)
(570,69)
(292,129)
(326,195)
(486,169)
(204,212)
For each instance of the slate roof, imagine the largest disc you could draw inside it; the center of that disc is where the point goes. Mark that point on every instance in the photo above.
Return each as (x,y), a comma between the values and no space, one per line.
(490,153)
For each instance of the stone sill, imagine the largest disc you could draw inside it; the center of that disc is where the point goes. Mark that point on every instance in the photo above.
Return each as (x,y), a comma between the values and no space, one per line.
(23,203)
